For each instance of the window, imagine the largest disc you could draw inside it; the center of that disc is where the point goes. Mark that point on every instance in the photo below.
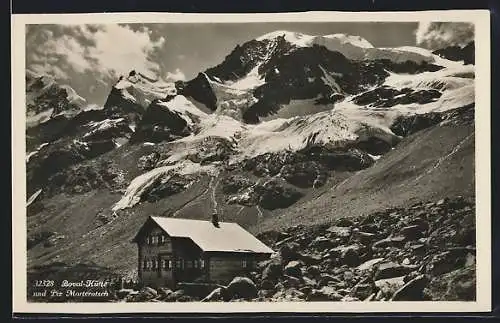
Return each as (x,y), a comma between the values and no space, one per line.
(189,264)
(163,239)
(244,263)
(178,263)
(202,263)
(170,264)
(195,263)
(163,264)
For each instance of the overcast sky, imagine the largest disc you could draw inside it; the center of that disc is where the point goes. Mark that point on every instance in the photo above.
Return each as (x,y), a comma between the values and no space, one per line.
(91,57)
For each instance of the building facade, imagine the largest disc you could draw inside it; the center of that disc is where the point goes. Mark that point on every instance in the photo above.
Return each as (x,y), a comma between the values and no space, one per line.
(171,251)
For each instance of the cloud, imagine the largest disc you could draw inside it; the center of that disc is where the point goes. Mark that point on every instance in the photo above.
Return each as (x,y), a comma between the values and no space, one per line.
(435,35)
(109,50)
(87,55)
(177,75)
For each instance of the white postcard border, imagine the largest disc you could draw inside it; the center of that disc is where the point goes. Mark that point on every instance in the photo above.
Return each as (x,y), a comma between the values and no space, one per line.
(481,19)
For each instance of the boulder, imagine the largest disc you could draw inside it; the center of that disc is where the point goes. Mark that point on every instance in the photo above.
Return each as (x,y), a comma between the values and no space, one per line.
(363,237)
(313,271)
(175,296)
(164,292)
(325,279)
(447,261)
(422,223)
(362,290)
(309,282)
(390,285)
(294,268)
(279,286)
(390,270)
(124,292)
(289,252)
(412,290)
(397,242)
(266,285)
(148,293)
(241,287)
(412,232)
(458,285)
(339,231)
(216,295)
(291,281)
(272,271)
(351,255)
(309,259)
(265,293)
(306,289)
(322,242)
(326,293)
(367,265)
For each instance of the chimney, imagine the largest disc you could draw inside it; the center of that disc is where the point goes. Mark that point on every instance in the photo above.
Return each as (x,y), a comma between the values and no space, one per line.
(215,220)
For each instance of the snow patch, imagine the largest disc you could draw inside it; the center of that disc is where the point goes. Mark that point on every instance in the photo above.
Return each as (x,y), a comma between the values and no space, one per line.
(444,79)
(97,126)
(375,157)
(329,80)
(184,108)
(143,89)
(141,183)
(33,197)
(36,151)
(352,40)
(248,82)
(297,39)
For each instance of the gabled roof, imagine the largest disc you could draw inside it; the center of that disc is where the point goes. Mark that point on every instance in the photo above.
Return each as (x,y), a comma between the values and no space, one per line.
(228,237)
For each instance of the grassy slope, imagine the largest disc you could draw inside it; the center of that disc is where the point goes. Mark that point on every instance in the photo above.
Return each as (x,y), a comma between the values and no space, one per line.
(411,172)
(423,166)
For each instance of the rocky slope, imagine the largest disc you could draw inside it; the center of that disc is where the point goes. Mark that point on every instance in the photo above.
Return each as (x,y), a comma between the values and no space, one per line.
(425,251)
(256,140)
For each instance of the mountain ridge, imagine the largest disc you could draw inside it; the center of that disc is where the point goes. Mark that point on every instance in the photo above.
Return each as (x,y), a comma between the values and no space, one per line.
(256,140)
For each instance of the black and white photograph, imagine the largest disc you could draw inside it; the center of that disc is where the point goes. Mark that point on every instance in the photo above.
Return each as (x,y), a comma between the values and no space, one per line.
(256,162)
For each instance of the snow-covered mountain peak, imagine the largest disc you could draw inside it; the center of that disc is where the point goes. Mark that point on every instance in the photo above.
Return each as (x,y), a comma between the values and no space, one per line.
(353,40)
(295,38)
(352,46)
(142,88)
(46,98)
(306,40)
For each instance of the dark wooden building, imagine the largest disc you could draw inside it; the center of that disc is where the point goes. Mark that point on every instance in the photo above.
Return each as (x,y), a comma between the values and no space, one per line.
(172,250)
